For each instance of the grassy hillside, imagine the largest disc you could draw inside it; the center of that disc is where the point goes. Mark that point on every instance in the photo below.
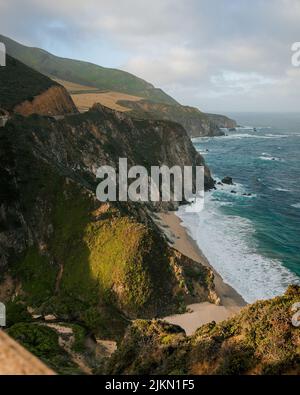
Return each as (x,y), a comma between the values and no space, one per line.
(18,83)
(84,73)
(259,340)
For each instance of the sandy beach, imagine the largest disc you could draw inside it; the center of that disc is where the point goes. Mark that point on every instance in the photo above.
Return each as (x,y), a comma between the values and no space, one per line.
(199,313)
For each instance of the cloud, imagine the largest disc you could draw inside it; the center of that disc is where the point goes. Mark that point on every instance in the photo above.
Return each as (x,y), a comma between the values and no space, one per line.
(214,54)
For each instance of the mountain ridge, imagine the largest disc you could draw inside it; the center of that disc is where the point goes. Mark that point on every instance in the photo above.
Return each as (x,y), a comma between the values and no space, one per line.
(84,72)
(196,122)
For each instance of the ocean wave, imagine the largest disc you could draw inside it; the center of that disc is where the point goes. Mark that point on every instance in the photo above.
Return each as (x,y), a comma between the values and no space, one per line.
(296,205)
(273,158)
(235,190)
(228,243)
(281,189)
(239,136)
(278,135)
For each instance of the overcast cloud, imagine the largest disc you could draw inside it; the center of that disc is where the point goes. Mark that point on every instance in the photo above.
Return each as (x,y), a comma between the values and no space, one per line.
(219,55)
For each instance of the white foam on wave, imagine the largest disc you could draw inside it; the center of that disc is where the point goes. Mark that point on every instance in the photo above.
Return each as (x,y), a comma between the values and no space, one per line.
(228,244)
(239,189)
(268,157)
(239,136)
(281,189)
(296,205)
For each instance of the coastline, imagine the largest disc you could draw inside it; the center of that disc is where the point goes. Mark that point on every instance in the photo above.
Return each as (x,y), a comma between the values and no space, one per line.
(199,313)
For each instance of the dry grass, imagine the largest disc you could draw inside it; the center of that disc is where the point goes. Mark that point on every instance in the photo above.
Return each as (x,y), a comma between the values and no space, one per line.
(85,96)
(75,88)
(109,99)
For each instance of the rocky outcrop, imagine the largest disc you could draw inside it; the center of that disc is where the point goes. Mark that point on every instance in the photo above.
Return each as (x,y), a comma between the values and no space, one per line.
(54,101)
(221,121)
(65,255)
(260,340)
(227,180)
(25,91)
(195,122)
(63,252)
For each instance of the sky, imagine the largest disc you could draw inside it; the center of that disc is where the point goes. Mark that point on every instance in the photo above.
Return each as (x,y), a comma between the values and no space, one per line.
(217,55)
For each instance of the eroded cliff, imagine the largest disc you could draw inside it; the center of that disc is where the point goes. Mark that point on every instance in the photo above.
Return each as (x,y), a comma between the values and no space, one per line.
(54,101)
(25,91)
(63,253)
(195,122)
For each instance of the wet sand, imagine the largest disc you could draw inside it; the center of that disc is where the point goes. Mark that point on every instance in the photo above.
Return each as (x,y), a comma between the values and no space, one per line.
(199,313)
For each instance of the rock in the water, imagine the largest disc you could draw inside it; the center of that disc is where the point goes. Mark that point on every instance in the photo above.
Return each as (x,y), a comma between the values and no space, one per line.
(227,180)
(232,191)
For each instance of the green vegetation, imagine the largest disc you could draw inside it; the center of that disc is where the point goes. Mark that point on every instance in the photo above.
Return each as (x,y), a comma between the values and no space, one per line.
(37,275)
(84,73)
(16,312)
(18,83)
(259,340)
(80,336)
(43,342)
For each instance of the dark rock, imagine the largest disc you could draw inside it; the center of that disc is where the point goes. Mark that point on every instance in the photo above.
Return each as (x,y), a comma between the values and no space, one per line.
(227,180)
(232,191)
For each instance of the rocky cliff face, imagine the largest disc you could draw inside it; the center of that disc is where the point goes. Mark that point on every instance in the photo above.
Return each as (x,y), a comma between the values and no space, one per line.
(64,253)
(53,102)
(259,340)
(25,91)
(196,123)
(221,121)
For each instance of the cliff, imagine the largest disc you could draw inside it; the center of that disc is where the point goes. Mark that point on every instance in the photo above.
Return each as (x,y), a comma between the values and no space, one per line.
(25,91)
(195,122)
(222,121)
(259,340)
(53,102)
(63,253)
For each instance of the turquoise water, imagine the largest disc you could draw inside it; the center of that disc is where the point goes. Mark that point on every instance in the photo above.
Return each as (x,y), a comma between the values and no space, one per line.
(253,241)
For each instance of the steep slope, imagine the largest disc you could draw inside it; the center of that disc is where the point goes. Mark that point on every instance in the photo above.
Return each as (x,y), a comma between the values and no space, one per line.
(195,122)
(259,340)
(84,73)
(25,91)
(64,253)
(222,121)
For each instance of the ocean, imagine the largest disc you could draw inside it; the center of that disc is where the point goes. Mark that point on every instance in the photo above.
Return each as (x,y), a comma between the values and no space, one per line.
(252,241)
